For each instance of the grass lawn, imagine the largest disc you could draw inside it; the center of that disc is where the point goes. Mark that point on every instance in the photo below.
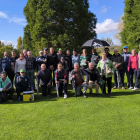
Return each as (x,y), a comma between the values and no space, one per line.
(95,118)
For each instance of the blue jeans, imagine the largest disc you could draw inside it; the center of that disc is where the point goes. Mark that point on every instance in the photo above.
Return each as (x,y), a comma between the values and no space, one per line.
(132,72)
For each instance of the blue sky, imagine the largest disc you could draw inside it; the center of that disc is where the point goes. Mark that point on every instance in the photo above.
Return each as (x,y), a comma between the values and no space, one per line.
(12,19)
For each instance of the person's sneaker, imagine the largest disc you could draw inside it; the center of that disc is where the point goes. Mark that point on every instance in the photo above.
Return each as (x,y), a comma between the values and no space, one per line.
(131,88)
(84,96)
(48,95)
(135,88)
(65,96)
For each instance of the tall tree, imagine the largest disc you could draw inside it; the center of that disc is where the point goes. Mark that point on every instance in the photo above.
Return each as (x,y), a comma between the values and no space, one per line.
(130,34)
(109,40)
(19,43)
(58,23)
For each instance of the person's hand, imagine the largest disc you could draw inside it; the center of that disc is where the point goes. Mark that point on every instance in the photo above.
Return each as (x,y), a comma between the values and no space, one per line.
(56,82)
(36,74)
(49,84)
(116,66)
(85,61)
(19,79)
(96,84)
(95,58)
(3,89)
(65,81)
(44,61)
(73,76)
(84,83)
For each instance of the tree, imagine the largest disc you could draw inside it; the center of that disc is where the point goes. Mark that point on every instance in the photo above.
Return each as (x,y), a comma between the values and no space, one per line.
(58,23)
(19,43)
(1,44)
(109,40)
(120,28)
(130,35)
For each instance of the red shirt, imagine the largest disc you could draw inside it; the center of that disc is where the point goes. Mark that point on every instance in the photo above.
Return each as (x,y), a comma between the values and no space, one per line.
(133,62)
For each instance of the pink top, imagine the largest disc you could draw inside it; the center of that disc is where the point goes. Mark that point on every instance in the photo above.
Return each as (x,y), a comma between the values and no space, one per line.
(133,62)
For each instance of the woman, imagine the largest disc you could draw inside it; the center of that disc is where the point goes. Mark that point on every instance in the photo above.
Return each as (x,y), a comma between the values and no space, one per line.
(106,70)
(20,64)
(133,67)
(84,59)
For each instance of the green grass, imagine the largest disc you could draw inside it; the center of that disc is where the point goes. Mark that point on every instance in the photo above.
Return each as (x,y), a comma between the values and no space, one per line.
(95,118)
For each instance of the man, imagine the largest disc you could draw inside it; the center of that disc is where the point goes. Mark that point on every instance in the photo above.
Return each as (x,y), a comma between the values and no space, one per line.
(25,53)
(45,78)
(126,56)
(60,54)
(78,76)
(40,60)
(108,55)
(68,59)
(45,52)
(64,64)
(95,58)
(52,62)
(6,87)
(137,82)
(75,58)
(8,66)
(94,77)
(22,83)
(118,62)
(61,73)
(30,66)
(14,56)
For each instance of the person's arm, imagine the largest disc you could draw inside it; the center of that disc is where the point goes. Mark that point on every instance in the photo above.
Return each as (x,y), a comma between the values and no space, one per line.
(86,75)
(71,74)
(39,61)
(16,65)
(17,81)
(128,67)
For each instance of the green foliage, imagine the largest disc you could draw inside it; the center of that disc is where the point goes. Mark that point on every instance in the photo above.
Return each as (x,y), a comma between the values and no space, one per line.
(130,35)
(56,23)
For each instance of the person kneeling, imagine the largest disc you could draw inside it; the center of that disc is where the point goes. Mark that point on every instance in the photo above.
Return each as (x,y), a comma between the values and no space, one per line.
(22,83)
(77,75)
(61,79)
(45,78)
(6,87)
(94,77)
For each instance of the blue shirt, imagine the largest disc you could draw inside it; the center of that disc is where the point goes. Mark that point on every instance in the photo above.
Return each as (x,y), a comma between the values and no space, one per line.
(40,59)
(75,59)
(7,63)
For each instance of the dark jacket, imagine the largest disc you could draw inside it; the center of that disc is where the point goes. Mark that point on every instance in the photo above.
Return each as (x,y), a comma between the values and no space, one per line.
(40,59)
(44,77)
(93,74)
(92,59)
(126,58)
(52,60)
(109,56)
(65,64)
(69,61)
(59,57)
(118,59)
(25,81)
(60,74)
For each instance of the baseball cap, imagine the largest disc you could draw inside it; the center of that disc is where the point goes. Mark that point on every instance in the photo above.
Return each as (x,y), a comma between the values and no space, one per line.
(45,49)
(125,47)
(60,49)
(22,70)
(41,52)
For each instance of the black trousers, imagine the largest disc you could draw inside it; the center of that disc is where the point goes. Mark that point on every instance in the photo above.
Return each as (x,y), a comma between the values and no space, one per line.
(10,75)
(20,89)
(10,92)
(62,86)
(109,84)
(44,89)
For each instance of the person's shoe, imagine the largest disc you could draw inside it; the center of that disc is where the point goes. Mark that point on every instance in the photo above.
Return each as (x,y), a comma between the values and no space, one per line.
(9,100)
(135,88)
(131,88)
(65,96)
(19,98)
(114,87)
(84,96)
(48,95)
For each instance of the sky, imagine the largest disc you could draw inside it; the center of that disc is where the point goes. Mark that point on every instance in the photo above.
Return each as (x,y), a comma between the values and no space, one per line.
(12,19)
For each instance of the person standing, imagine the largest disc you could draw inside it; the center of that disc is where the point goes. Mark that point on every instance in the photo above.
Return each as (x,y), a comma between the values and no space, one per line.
(106,70)
(133,67)
(8,65)
(108,55)
(84,59)
(52,62)
(94,58)
(59,55)
(75,58)
(30,67)
(45,52)
(69,60)
(94,78)
(64,64)
(45,78)
(126,56)
(77,75)
(118,62)
(25,53)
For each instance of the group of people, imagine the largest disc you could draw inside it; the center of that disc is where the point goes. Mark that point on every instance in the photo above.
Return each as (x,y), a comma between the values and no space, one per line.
(53,68)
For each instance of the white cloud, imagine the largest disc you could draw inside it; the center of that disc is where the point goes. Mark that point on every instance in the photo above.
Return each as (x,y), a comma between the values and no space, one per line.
(104,9)
(108,26)
(9,42)
(20,21)
(3,15)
